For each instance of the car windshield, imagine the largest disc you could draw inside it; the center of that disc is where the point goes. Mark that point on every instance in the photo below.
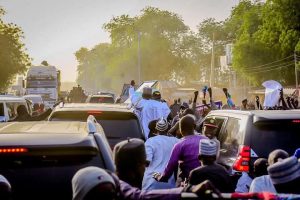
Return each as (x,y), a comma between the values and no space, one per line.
(116,125)
(279,134)
(32,176)
(101,100)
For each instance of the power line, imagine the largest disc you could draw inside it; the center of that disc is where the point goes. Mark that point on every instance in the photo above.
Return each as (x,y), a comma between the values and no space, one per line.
(269,67)
(272,62)
(291,64)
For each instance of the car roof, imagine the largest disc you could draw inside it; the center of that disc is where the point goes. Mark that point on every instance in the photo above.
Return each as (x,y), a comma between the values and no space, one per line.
(92,106)
(32,95)
(42,133)
(262,114)
(11,98)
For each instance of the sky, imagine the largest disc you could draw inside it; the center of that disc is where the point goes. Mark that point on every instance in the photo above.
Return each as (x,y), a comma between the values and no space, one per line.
(55,29)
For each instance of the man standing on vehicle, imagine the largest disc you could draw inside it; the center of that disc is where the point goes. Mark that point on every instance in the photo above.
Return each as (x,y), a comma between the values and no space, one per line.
(138,103)
(154,109)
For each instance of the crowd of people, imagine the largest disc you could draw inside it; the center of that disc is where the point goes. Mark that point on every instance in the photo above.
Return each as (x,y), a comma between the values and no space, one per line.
(179,156)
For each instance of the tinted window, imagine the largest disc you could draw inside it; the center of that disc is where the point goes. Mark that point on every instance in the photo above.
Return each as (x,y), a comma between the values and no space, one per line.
(120,128)
(271,135)
(230,139)
(116,125)
(44,177)
(102,100)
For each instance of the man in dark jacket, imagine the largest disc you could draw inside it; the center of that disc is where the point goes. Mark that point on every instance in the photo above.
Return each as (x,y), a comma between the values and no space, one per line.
(209,169)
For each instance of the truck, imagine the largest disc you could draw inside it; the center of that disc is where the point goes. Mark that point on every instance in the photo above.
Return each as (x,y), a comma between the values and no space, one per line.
(44,81)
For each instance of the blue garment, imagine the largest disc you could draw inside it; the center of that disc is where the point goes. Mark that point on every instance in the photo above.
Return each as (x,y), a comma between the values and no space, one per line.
(158,151)
(297,153)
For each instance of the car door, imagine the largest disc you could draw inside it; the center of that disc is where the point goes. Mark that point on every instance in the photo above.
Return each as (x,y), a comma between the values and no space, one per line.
(230,138)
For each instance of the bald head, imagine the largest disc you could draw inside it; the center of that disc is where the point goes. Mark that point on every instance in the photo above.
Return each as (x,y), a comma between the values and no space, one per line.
(187,125)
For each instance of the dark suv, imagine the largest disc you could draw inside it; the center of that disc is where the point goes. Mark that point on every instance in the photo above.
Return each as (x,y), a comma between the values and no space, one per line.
(247,135)
(39,159)
(118,122)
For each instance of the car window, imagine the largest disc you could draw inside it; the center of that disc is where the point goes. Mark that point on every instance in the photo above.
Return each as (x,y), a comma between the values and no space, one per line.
(116,125)
(50,175)
(2,109)
(278,134)
(120,128)
(231,138)
(101,100)
(219,121)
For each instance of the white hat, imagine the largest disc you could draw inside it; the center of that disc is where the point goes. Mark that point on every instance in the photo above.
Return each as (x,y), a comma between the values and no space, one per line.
(86,179)
(207,147)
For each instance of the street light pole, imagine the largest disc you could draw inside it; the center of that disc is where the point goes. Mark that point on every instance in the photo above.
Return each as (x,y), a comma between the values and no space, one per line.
(212,66)
(139,57)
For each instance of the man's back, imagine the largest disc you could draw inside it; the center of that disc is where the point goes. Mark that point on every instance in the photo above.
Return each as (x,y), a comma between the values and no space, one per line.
(158,151)
(185,152)
(215,173)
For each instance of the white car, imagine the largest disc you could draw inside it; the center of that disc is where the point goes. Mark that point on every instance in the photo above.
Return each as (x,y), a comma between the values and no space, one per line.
(9,105)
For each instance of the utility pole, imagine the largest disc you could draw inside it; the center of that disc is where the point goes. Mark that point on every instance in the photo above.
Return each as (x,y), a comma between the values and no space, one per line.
(296,71)
(212,66)
(139,57)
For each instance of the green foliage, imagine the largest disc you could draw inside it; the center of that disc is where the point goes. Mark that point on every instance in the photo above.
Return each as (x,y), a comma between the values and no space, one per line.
(261,32)
(13,59)
(265,33)
(167,50)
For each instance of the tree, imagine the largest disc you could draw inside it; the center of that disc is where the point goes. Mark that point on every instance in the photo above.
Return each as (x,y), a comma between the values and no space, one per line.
(211,31)
(13,59)
(265,33)
(168,50)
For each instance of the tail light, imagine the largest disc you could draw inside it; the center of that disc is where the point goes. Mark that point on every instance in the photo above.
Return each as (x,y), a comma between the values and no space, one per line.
(242,162)
(13,150)
(94,112)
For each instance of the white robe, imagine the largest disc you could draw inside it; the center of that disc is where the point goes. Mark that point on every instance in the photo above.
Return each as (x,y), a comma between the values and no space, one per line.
(131,91)
(153,110)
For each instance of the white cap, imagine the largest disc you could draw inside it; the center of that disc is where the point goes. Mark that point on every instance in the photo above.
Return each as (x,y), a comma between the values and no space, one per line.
(207,147)
(86,179)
